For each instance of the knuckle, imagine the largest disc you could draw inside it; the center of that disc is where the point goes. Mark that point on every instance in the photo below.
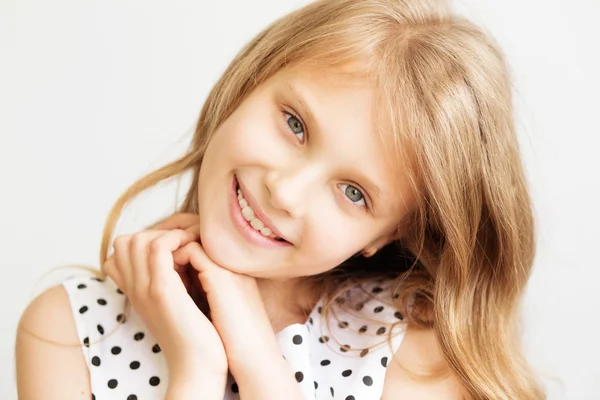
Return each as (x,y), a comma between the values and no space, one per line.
(192,246)
(121,241)
(137,240)
(177,231)
(155,245)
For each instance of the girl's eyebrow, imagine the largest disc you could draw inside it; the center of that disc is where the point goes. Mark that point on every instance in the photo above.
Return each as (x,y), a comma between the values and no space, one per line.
(370,186)
(305,109)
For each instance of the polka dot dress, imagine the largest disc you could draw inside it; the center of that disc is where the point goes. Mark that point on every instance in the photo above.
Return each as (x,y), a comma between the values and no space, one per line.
(339,356)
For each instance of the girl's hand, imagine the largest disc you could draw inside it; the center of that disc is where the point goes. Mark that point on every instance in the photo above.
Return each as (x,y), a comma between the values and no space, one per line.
(236,307)
(237,312)
(143,267)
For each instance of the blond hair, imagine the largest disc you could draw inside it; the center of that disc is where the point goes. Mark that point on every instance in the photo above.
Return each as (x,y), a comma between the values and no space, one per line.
(444,96)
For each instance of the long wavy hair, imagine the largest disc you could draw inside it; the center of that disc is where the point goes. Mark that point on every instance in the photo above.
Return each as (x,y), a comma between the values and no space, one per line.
(443,92)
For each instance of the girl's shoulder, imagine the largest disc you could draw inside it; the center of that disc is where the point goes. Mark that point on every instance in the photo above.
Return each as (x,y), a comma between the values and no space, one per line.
(49,361)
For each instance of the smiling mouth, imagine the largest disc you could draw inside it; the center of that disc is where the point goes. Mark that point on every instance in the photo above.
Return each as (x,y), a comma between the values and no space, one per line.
(256,223)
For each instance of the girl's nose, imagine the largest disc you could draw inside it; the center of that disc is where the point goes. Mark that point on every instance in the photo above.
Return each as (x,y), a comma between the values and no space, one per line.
(291,190)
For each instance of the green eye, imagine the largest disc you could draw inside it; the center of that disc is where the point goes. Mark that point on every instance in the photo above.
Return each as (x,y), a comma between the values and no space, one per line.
(296,126)
(353,194)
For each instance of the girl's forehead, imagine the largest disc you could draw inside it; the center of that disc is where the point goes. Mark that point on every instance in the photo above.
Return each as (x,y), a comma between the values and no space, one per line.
(349,75)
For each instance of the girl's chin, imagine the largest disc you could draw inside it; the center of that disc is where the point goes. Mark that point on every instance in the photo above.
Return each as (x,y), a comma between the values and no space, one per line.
(222,257)
(236,260)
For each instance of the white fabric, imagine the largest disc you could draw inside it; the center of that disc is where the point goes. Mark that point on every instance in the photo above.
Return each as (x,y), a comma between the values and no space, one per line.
(126,363)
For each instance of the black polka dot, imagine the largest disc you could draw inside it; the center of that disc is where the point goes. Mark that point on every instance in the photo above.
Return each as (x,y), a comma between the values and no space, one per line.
(100,329)
(297,339)
(324,339)
(96,361)
(325,362)
(138,336)
(320,309)
(399,315)
(316,385)
(112,383)
(350,397)
(134,365)
(132,397)
(360,306)
(156,348)
(310,321)
(121,318)
(81,286)
(347,373)
(344,348)
(367,380)
(378,309)
(115,350)
(331,391)
(86,342)
(93,396)
(377,289)
(381,330)
(102,302)
(343,324)
(98,280)
(234,388)
(299,376)
(396,296)
(154,381)
(384,361)
(83,309)
(364,352)
(363,329)
(120,291)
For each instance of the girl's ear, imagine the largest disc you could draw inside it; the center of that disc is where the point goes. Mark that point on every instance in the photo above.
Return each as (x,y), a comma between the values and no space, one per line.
(369,252)
(379,243)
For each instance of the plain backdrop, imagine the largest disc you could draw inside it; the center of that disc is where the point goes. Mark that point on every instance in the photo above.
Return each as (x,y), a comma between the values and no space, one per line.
(95,93)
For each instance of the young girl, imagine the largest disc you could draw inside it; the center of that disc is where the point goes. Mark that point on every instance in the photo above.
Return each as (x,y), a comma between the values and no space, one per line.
(358,227)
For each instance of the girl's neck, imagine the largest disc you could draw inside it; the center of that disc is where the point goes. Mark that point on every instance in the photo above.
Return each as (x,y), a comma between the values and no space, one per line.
(287,301)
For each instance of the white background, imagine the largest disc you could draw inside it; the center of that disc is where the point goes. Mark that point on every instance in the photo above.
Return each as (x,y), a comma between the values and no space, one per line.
(95,93)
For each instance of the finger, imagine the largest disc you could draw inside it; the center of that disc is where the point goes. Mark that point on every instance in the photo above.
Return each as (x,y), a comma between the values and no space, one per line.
(194,255)
(178,221)
(139,249)
(192,234)
(195,229)
(162,267)
(111,270)
(121,262)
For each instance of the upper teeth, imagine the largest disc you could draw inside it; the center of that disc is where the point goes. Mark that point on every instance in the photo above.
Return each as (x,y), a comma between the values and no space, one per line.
(248,214)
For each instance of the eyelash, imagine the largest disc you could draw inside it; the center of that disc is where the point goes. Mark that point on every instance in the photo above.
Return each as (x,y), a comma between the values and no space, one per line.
(286,114)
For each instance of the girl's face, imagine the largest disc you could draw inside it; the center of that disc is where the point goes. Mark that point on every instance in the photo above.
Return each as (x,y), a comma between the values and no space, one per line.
(294,182)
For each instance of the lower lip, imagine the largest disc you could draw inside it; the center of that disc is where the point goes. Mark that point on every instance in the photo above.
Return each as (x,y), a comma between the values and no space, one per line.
(244,227)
